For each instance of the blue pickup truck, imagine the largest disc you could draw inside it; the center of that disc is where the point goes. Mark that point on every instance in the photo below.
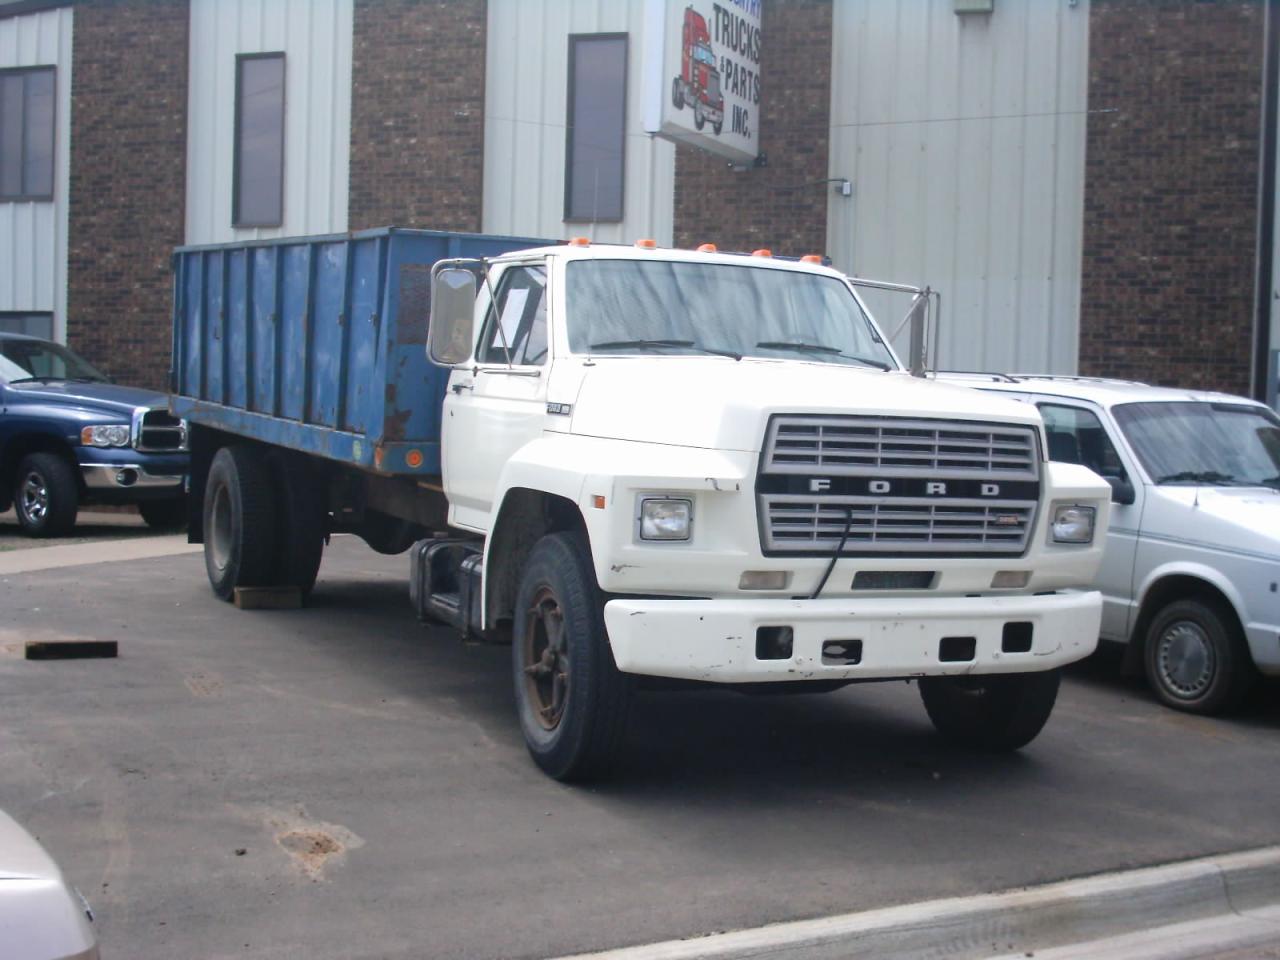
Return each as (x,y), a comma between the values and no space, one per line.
(68,436)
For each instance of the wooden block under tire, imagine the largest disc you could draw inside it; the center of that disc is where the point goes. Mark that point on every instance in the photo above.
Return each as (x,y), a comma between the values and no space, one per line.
(268,598)
(69,649)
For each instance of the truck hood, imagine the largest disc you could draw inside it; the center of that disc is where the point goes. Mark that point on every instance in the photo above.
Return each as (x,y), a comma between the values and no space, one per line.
(113,397)
(1234,518)
(722,404)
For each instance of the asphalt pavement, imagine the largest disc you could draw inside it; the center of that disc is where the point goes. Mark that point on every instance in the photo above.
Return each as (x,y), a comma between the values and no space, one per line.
(340,781)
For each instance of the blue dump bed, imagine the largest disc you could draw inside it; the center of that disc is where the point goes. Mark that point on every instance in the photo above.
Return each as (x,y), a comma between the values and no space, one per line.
(318,343)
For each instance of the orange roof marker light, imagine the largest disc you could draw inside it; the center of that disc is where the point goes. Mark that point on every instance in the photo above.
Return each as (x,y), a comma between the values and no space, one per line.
(762,252)
(708,248)
(647,244)
(811,258)
(580,242)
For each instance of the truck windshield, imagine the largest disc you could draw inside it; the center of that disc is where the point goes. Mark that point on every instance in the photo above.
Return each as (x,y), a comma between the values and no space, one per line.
(23,360)
(628,306)
(702,53)
(1218,444)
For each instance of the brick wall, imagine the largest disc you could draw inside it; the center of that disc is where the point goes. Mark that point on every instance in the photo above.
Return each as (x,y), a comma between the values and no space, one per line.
(778,206)
(128,182)
(417,114)
(1171,191)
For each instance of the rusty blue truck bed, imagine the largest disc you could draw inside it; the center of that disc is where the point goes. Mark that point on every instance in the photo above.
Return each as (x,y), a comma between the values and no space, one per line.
(318,343)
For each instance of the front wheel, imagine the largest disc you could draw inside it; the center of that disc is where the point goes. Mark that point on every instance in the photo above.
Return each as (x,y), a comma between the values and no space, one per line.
(46,497)
(571,697)
(1195,658)
(993,712)
(677,94)
(699,118)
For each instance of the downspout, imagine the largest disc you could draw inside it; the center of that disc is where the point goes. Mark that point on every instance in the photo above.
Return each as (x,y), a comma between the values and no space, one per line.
(1266,204)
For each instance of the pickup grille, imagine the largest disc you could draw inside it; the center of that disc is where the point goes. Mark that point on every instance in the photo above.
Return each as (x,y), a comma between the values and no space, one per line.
(159,430)
(906,487)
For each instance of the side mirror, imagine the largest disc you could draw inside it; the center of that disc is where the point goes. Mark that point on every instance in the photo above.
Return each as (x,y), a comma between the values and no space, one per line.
(1122,491)
(919,331)
(453,310)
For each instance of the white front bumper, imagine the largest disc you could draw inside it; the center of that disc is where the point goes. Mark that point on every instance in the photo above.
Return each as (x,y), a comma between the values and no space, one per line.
(715,640)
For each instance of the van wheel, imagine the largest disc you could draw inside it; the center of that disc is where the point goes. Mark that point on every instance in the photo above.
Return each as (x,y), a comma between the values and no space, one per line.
(239,526)
(45,496)
(1195,658)
(300,522)
(571,697)
(993,712)
(164,514)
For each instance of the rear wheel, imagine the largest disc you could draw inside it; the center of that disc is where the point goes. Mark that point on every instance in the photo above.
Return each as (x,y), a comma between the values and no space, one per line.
(46,497)
(300,522)
(1195,658)
(571,697)
(164,514)
(677,94)
(995,712)
(239,526)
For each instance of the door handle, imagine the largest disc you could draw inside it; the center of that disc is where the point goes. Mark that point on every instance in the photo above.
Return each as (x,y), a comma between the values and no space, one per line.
(459,387)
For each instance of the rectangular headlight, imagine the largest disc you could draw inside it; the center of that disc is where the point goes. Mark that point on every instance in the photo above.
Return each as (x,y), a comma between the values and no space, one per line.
(663,519)
(1073,523)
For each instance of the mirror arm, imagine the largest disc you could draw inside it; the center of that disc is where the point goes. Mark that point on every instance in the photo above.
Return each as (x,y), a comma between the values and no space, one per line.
(497,317)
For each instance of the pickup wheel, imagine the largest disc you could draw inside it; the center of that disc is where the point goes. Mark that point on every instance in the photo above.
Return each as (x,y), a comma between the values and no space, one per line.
(992,712)
(239,526)
(571,697)
(45,496)
(164,514)
(300,522)
(1196,659)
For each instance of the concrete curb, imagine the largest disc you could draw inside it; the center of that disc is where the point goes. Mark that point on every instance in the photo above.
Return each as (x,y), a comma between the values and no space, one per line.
(1033,918)
(34,559)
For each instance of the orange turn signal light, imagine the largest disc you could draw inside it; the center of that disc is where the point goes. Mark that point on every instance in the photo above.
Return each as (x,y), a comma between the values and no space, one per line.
(413,458)
(708,248)
(597,501)
(811,258)
(580,241)
(646,244)
(762,252)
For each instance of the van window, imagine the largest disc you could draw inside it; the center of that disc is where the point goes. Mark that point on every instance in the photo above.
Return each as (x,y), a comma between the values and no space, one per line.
(1076,435)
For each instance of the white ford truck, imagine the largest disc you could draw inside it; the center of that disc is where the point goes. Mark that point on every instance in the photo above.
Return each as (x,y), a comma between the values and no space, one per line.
(682,465)
(712,467)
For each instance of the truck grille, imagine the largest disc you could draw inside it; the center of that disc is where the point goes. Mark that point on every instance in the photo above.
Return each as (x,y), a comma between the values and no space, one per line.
(906,487)
(934,448)
(159,430)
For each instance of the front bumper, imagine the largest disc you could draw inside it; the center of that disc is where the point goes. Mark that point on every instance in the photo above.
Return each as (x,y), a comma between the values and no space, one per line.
(128,476)
(715,640)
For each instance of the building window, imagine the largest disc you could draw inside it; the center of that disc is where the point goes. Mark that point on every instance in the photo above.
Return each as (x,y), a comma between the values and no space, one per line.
(596,137)
(26,134)
(31,324)
(258,177)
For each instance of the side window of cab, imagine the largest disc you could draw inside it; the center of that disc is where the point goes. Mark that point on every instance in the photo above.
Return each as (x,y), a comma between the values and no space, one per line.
(519,324)
(1076,435)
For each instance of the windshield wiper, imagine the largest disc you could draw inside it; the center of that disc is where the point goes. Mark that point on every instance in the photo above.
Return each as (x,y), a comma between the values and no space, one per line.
(1201,476)
(687,344)
(819,348)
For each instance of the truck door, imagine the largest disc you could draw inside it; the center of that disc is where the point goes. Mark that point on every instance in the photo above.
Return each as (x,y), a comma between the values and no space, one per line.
(499,403)
(1076,435)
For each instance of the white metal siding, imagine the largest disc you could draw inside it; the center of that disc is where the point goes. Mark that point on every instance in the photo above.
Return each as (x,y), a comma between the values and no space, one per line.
(526,98)
(964,137)
(33,235)
(315,36)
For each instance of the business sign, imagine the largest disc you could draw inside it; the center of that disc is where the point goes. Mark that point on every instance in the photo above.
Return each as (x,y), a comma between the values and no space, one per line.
(702,74)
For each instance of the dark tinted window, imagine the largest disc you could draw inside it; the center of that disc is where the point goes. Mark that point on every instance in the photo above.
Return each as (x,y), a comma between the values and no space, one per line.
(259,146)
(1077,436)
(520,323)
(597,122)
(26,134)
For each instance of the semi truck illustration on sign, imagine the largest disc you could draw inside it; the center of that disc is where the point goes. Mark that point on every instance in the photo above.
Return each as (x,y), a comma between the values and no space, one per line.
(699,82)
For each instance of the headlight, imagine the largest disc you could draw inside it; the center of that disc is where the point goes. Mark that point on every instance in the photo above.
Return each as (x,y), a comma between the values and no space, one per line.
(105,435)
(1073,523)
(666,519)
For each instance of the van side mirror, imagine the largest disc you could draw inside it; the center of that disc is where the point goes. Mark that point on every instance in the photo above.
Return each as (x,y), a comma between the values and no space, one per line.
(453,310)
(1122,491)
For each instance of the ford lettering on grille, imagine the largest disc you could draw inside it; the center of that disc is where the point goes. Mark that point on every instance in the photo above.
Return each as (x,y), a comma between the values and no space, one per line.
(902,486)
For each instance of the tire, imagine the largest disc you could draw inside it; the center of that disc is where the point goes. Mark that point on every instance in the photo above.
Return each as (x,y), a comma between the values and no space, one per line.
(164,514)
(699,119)
(239,526)
(677,94)
(1195,658)
(994,712)
(46,496)
(300,522)
(717,127)
(570,695)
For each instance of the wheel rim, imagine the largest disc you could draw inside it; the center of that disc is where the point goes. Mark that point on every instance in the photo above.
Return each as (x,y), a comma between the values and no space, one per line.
(546,659)
(220,524)
(1185,659)
(35,497)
